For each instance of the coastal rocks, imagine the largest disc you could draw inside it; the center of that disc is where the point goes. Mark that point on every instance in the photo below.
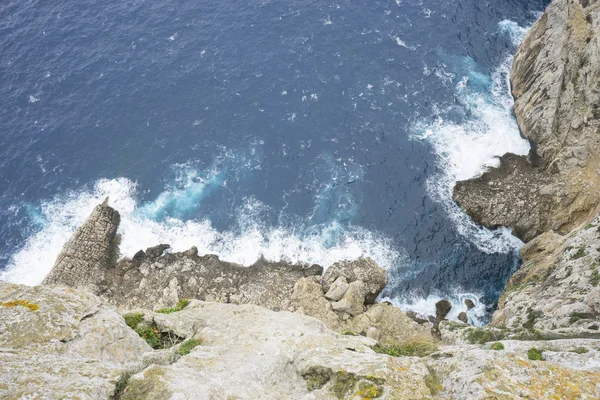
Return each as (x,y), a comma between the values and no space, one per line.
(156,279)
(556,85)
(90,253)
(364,270)
(58,342)
(250,352)
(442,308)
(557,288)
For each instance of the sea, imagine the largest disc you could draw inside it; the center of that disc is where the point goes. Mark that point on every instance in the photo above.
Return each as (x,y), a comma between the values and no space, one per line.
(309,131)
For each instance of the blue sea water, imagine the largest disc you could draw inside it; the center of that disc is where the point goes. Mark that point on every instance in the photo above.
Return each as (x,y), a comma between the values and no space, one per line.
(310,131)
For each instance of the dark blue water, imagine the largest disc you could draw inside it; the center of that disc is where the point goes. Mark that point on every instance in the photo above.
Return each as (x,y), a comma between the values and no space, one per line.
(306,130)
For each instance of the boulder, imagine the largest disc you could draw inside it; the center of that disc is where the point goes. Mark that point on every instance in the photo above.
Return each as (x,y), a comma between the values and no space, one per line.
(469,303)
(337,289)
(442,308)
(463,317)
(353,302)
(364,269)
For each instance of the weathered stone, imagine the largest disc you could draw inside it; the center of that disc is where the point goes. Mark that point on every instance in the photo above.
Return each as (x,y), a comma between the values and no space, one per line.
(442,308)
(364,269)
(462,316)
(90,253)
(556,85)
(353,302)
(58,342)
(337,289)
(469,303)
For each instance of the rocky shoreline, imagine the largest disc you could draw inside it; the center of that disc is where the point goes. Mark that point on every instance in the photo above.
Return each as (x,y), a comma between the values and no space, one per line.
(165,325)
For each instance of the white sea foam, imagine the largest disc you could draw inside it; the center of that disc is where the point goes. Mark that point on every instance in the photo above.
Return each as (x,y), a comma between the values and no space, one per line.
(425,307)
(465,150)
(142,227)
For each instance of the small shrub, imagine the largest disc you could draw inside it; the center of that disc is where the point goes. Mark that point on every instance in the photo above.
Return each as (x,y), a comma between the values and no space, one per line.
(497,346)
(482,336)
(579,253)
(595,278)
(348,332)
(416,347)
(133,320)
(188,346)
(150,333)
(535,354)
(580,350)
(183,303)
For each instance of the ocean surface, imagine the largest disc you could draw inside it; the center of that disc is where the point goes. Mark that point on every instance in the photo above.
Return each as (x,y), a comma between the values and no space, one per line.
(309,131)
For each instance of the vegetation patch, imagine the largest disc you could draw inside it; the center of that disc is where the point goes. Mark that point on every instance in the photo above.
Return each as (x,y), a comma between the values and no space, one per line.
(344,383)
(579,253)
(535,354)
(150,333)
(348,332)
(369,390)
(188,346)
(482,336)
(595,278)
(183,303)
(416,347)
(580,350)
(576,316)
(497,346)
(316,378)
(21,303)
(433,382)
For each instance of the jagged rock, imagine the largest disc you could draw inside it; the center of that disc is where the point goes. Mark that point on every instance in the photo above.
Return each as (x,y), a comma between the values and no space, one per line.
(462,316)
(442,308)
(58,342)
(353,302)
(156,279)
(337,289)
(364,269)
(469,303)
(90,253)
(556,84)
(555,292)
(412,315)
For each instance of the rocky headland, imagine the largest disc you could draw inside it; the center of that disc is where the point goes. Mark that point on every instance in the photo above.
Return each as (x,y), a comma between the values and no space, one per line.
(165,325)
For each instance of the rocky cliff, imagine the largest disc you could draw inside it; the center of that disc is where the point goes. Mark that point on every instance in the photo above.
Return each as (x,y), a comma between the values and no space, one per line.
(555,81)
(165,325)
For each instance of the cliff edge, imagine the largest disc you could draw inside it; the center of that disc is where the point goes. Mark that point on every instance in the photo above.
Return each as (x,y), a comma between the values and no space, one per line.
(555,81)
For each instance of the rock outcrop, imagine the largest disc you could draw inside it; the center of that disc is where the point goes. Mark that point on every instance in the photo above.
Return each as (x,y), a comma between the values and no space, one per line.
(90,253)
(556,84)
(57,342)
(60,342)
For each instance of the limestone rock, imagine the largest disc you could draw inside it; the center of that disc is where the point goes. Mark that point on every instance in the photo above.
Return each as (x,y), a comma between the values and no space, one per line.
(556,84)
(337,289)
(91,251)
(156,279)
(364,269)
(353,301)
(463,317)
(469,303)
(58,342)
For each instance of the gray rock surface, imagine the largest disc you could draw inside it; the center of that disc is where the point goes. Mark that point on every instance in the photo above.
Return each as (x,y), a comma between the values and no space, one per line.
(57,342)
(556,84)
(365,269)
(90,253)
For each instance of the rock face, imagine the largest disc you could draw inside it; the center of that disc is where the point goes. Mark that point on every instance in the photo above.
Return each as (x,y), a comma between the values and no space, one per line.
(90,252)
(557,288)
(156,280)
(556,84)
(57,342)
